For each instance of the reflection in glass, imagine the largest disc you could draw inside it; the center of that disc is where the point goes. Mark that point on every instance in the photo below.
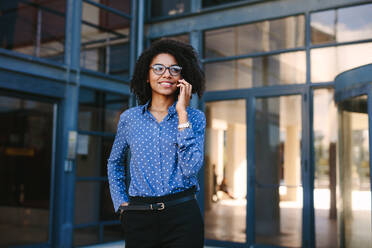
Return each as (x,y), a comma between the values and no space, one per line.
(92,154)
(34,29)
(284,68)
(327,63)
(354,169)
(26,136)
(278,195)
(87,199)
(263,36)
(225,171)
(325,140)
(100,111)
(93,202)
(161,8)
(341,25)
(105,39)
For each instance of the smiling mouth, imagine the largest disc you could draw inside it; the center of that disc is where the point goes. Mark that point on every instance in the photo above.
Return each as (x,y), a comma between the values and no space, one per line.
(166,84)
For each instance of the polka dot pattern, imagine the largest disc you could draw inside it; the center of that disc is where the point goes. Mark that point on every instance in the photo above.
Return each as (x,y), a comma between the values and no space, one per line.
(163,159)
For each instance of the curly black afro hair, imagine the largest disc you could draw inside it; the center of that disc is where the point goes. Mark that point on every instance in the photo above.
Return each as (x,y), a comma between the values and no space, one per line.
(185,56)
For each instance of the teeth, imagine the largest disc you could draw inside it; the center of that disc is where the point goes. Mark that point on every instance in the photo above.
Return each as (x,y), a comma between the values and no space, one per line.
(167,84)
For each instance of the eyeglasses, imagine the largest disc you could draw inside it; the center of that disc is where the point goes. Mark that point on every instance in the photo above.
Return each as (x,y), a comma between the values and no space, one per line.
(160,69)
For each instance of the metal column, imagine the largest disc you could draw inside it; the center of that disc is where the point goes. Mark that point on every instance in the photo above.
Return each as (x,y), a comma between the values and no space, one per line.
(68,112)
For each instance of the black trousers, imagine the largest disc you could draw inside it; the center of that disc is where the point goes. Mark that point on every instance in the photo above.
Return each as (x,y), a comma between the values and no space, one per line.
(174,227)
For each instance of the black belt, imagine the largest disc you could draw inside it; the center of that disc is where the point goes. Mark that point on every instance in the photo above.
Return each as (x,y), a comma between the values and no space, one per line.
(156,206)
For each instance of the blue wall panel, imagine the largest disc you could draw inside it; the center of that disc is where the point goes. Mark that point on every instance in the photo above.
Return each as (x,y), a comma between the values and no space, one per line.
(11,80)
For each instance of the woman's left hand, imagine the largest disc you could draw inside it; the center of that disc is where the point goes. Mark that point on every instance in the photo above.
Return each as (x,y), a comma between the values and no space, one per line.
(184,96)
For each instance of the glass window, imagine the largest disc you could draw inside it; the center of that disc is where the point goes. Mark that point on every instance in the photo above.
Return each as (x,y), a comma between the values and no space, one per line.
(169,7)
(99,111)
(105,39)
(87,201)
(210,3)
(26,137)
(92,154)
(34,29)
(354,174)
(327,63)
(93,202)
(284,68)
(263,36)
(225,171)
(278,185)
(341,25)
(325,145)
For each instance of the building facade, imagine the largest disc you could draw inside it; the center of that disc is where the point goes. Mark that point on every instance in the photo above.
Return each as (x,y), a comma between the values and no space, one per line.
(287,160)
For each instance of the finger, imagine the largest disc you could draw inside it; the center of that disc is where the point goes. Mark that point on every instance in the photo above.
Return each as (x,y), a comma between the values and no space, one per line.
(181,86)
(190,89)
(188,86)
(182,90)
(183,81)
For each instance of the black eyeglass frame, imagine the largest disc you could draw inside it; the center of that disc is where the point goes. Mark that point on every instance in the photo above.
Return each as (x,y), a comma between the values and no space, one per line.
(169,69)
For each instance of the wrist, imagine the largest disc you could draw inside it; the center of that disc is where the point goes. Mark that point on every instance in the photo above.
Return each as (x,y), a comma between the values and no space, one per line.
(182,117)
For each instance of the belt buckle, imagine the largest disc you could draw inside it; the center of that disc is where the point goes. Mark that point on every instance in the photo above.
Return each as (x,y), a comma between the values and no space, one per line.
(162,206)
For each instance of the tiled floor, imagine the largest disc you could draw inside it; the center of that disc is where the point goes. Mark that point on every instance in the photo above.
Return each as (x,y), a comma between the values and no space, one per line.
(226,221)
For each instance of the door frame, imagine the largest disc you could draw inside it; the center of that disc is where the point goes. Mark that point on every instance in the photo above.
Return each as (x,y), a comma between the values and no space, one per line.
(307,168)
(217,97)
(55,106)
(306,172)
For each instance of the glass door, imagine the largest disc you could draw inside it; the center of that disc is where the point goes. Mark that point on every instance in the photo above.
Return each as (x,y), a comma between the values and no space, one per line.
(95,220)
(354,202)
(26,165)
(277,198)
(225,172)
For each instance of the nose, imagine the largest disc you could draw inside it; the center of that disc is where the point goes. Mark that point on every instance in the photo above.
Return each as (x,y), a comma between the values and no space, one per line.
(167,73)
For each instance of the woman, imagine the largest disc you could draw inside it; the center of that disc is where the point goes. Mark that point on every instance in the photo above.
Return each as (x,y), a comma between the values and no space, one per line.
(166,141)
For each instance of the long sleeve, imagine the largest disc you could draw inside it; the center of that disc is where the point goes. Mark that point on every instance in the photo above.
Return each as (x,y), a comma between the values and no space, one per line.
(163,159)
(115,166)
(191,146)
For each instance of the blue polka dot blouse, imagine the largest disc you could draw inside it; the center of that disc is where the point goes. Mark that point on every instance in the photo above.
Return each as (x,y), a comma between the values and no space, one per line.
(163,159)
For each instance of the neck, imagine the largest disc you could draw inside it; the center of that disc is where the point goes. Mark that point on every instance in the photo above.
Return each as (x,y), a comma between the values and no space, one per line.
(161,103)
